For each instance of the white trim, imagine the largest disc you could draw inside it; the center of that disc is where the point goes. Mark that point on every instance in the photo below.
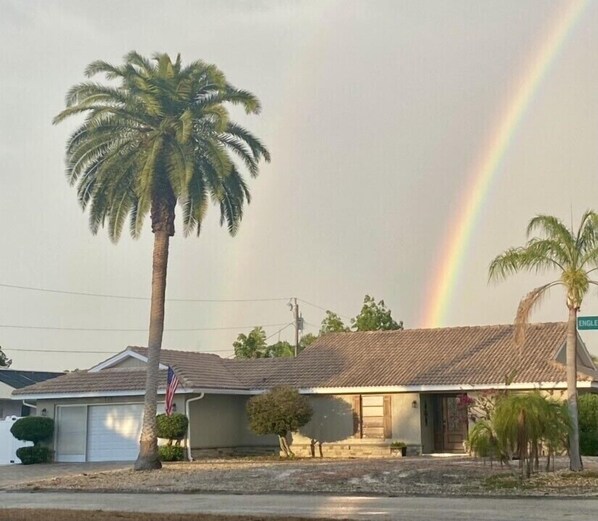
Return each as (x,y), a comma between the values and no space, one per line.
(119,357)
(97,394)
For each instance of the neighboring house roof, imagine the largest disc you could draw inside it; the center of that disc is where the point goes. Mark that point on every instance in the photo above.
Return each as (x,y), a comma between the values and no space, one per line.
(17,379)
(423,358)
(78,382)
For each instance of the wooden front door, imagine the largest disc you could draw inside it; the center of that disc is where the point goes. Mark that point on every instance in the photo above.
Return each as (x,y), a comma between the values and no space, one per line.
(450,425)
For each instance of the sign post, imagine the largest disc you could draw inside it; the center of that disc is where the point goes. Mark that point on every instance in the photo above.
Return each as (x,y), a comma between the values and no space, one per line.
(587,323)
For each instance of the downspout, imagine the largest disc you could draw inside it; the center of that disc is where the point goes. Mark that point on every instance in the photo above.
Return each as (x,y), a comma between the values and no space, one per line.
(30,405)
(188,413)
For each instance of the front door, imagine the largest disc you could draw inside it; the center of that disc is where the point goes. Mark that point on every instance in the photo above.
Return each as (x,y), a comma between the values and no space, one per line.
(450,425)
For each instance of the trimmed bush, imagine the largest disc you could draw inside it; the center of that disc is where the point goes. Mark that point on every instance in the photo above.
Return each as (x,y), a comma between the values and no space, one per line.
(171,453)
(35,454)
(588,424)
(280,411)
(173,427)
(33,428)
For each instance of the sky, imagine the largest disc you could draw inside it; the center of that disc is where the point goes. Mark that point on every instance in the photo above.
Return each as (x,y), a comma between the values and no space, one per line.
(376,115)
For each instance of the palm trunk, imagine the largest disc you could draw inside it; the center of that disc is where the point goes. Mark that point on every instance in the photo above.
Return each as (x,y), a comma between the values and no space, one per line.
(148,458)
(574,457)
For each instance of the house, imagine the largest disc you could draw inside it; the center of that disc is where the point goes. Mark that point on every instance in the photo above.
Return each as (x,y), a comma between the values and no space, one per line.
(367,389)
(11,379)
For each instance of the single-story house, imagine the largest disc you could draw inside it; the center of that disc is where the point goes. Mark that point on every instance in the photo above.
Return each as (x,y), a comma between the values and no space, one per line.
(11,379)
(367,390)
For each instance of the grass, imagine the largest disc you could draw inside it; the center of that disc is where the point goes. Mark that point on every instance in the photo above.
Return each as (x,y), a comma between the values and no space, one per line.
(101,515)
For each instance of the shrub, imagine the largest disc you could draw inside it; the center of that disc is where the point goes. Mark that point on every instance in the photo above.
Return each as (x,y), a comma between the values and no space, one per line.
(35,454)
(33,428)
(280,411)
(171,453)
(588,424)
(173,427)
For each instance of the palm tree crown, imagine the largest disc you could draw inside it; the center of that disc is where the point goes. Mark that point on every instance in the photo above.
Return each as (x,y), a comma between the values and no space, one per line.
(573,254)
(162,134)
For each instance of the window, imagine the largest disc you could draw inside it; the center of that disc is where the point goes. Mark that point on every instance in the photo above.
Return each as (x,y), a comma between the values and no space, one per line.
(372,416)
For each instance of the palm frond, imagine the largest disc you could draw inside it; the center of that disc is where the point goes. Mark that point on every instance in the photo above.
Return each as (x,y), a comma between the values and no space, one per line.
(525,308)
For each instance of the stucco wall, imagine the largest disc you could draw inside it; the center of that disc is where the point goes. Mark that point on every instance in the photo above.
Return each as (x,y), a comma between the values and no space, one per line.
(332,420)
(128,363)
(10,408)
(406,424)
(216,421)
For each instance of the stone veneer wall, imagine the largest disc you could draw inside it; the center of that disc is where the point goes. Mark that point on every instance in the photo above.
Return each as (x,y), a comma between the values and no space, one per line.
(347,450)
(234,451)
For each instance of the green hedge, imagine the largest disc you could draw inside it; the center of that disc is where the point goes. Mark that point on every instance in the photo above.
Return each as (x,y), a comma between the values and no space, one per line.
(173,427)
(171,453)
(35,454)
(588,424)
(33,428)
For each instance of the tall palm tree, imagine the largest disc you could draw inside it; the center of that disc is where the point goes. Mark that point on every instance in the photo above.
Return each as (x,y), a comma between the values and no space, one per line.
(574,255)
(156,135)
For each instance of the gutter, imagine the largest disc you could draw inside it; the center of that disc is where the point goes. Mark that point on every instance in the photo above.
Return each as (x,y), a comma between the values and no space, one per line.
(30,405)
(188,413)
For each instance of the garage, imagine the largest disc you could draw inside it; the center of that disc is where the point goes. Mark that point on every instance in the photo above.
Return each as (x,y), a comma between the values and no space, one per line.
(107,432)
(113,432)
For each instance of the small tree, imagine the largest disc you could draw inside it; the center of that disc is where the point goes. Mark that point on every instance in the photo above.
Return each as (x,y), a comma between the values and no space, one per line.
(173,427)
(332,323)
(279,411)
(4,361)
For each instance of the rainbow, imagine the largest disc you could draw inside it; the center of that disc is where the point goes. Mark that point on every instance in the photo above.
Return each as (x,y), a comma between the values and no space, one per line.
(453,251)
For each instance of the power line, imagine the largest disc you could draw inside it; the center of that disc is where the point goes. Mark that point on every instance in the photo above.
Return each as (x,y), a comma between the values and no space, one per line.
(323,309)
(279,331)
(57,328)
(129,297)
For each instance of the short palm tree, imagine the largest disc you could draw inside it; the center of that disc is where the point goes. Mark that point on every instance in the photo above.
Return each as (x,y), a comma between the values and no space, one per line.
(574,255)
(158,134)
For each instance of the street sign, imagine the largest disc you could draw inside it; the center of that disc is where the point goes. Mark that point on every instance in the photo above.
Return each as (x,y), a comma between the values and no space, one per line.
(587,322)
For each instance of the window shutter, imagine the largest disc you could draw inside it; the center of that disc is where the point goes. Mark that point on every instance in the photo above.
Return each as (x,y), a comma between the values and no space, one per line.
(357,416)
(387,417)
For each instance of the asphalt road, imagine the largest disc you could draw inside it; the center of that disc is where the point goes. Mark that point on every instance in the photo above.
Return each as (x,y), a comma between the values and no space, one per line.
(352,507)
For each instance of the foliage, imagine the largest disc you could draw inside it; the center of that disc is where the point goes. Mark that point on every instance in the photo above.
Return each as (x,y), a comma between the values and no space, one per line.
(35,454)
(279,349)
(279,411)
(306,340)
(173,427)
(332,323)
(398,445)
(574,255)
(588,424)
(33,428)
(4,361)
(171,453)
(252,345)
(374,317)
(521,425)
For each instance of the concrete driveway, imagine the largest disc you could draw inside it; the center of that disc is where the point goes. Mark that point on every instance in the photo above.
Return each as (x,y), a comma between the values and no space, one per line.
(14,474)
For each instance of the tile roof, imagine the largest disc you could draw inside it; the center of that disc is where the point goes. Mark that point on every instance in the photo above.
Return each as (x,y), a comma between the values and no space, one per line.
(17,379)
(86,382)
(413,357)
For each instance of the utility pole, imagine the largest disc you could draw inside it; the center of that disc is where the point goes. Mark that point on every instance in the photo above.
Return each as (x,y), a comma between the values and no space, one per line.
(298,320)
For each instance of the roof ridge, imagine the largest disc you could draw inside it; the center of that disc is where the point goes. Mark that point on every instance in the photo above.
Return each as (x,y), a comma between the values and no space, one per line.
(162,349)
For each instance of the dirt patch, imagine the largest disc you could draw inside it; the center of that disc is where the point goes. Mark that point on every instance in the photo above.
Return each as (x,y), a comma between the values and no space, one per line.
(384,476)
(78,515)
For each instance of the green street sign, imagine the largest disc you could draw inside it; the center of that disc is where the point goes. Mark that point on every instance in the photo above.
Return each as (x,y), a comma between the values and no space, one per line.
(587,322)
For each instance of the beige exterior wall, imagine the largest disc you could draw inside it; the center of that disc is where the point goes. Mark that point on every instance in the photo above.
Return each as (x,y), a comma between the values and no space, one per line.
(332,420)
(128,363)
(406,424)
(426,406)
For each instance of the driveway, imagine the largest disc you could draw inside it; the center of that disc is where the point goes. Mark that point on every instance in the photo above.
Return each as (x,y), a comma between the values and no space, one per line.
(11,475)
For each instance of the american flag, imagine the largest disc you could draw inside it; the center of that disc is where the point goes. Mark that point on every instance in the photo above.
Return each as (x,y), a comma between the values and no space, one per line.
(172,383)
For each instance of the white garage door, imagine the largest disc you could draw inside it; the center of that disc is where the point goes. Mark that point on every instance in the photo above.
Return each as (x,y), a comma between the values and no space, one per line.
(113,432)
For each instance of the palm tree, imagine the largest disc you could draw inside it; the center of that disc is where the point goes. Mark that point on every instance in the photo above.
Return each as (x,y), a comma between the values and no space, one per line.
(574,255)
(156,135)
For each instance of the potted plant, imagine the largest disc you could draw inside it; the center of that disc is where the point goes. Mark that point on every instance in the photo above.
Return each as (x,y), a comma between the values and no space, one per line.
(398,448)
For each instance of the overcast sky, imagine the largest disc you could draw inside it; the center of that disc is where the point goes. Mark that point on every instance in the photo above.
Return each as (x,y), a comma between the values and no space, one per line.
(375,114)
